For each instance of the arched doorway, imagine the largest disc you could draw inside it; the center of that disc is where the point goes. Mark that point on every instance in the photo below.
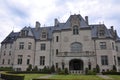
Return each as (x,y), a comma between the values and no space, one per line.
(76,64)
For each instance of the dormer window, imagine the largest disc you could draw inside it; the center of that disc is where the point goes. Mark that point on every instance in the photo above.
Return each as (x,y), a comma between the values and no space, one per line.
(75,30)
(101,33)
(44,35)
(24,33)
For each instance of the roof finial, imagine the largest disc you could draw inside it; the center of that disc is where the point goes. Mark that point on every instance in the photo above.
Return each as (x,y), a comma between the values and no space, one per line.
(70,13)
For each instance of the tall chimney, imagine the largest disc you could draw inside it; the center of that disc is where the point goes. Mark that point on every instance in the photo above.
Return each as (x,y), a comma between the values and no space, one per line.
(56,22)
(86,19)
(37,25)
(112,28)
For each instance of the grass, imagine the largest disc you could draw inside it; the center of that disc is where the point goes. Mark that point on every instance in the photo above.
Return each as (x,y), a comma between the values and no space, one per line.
(31,76)
(115,77)
(76,77)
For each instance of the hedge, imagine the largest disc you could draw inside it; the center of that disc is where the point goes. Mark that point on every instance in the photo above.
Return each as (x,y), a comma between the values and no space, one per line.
(26,72)
(11,76)
(111,73)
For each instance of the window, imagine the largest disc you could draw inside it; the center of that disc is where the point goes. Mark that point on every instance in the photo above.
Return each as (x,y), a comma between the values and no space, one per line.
(57,38)
(4,53)
(5,46)
(3,61)
(43,47)
(20,59)
(76,47)
(24,33)
(115,59)
(75,30)
(10,46)
(56,65)
(8,61)
(21,45)
(112,45)
(9,53)
(29,45)
(103,45)
(28,61)
(56,51)
(119,61)
(117,48)
(42,60)
(104,60)
(44,35)
(101,33)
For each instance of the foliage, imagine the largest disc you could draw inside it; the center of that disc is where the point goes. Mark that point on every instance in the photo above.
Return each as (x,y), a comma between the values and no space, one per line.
(35,68)
(11,76)
(29,68)
(52,69)
(91,72)
(66,71)
(97,68)
(114,68)
(86,70)
(6,69)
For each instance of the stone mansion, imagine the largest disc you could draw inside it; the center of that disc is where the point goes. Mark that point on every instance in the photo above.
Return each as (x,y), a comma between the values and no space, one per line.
(74,44)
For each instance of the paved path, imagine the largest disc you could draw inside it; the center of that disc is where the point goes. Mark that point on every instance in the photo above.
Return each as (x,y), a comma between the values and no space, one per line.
(105,77)
(47,76)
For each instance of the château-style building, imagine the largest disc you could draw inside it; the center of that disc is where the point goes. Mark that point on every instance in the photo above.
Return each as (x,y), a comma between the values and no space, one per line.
(75,45)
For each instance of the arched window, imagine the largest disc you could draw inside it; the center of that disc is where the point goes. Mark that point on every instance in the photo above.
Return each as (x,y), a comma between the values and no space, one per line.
(76,47)
(75,30)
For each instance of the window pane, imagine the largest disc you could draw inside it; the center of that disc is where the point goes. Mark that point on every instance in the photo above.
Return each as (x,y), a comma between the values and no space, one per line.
(76,47)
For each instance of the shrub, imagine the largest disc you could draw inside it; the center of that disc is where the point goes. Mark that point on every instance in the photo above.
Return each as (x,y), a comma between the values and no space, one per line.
(114,68)
(11,77)
(29,68)
(66,70)
(97,68)
(91,72)
(52,69)
(6,69)
(35,68)
(86,70)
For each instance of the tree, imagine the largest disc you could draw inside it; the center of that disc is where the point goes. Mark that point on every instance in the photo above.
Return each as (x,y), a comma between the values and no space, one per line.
(114,68)
(97,68)
(66,70)
(52,69)
(29,68)
(35,68)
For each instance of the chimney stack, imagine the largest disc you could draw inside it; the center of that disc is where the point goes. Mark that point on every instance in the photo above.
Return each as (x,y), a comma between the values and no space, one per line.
(86,19)
(112,28)
(56,22)
(37,25)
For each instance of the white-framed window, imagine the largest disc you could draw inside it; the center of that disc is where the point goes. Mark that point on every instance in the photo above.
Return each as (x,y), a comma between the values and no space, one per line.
(104,60)
(76,47)
(103,45)
(44,35)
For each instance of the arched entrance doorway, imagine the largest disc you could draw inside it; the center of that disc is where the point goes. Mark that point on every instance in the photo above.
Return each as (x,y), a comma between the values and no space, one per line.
(76,64)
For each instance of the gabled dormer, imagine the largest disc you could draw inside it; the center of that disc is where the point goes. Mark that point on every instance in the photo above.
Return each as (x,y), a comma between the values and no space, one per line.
(26,32)
(101,31)
(43,34)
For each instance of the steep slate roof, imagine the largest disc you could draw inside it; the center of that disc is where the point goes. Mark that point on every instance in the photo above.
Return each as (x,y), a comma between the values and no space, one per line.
(61,26)
(94,31)
(11,37)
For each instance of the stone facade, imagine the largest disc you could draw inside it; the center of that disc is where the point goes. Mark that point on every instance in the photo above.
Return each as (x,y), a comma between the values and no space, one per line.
(75,45)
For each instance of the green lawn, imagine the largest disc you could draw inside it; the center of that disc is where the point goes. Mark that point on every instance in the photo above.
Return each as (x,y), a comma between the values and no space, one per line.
(76,77)
(115,77)
(31,76)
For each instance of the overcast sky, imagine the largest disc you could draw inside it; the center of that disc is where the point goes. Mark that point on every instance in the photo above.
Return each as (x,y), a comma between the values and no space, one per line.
(16,14)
